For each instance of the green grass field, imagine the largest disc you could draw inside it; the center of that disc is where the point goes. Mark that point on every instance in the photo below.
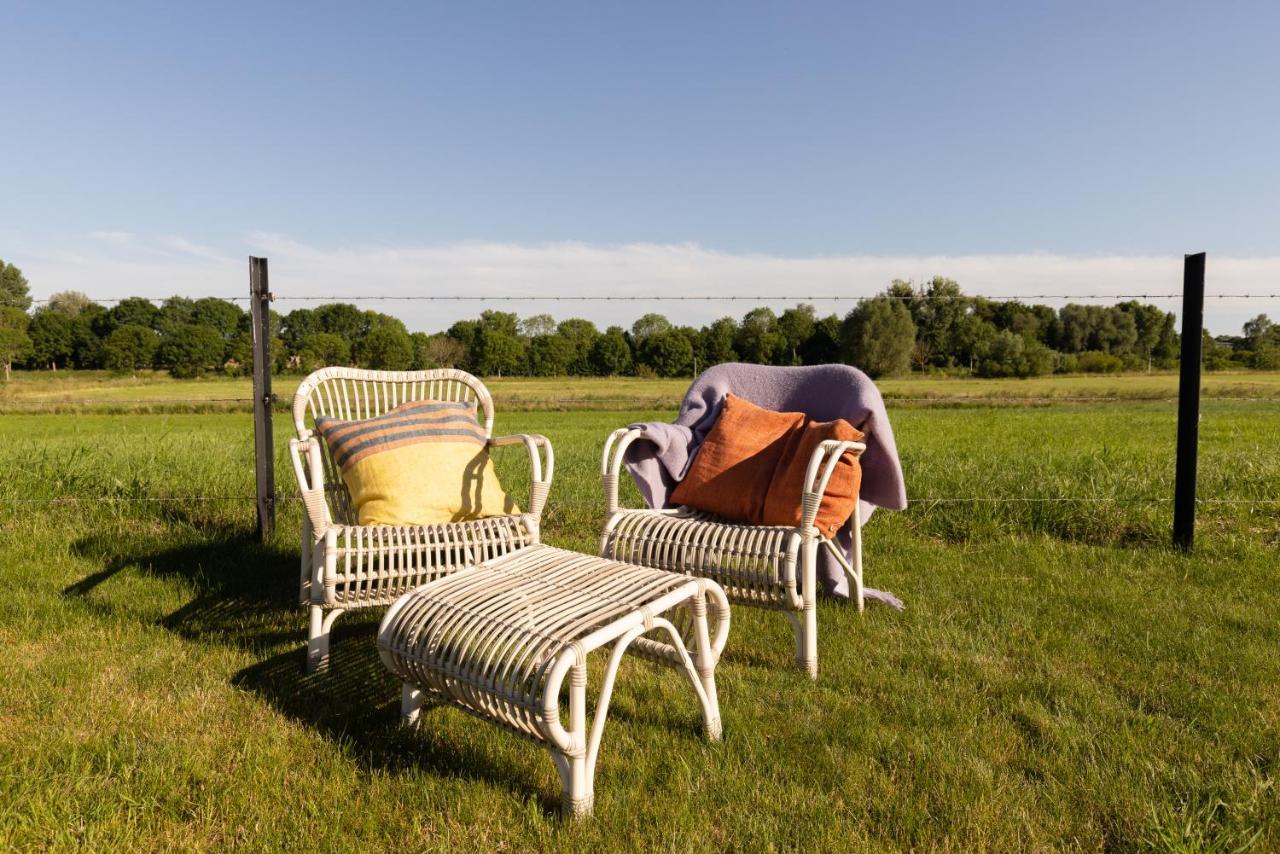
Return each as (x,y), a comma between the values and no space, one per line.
(1060,678)
(153,391)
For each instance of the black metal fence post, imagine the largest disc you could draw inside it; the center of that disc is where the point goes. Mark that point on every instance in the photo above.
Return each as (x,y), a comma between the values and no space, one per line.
(263,441)
(1184,492)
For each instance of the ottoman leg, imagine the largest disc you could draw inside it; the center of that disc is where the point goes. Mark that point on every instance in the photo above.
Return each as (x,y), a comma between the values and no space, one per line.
(410,704)
(576,775)
(705,662)
(577,796)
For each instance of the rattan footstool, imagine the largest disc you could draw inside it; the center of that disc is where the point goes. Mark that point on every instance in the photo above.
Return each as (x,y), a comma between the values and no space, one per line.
(499,639)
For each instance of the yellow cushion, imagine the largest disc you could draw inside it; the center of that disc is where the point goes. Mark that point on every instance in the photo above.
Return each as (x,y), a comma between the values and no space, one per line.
(422,463)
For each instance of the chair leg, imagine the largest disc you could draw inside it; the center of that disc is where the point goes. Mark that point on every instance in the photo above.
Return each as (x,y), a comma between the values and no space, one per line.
(806,622)
(856,574)
(319,626)
(808,661)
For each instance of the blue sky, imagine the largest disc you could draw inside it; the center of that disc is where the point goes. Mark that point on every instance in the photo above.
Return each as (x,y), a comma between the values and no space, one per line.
(150,147)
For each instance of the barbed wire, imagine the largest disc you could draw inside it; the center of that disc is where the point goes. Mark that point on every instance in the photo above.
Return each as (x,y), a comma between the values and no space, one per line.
(632,402)
(692,297)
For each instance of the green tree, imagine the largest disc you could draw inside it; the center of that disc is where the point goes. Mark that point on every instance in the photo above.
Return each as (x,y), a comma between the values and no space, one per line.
(668,353)
(1258,329)
(498,351)
(320,349)
(387,348)
(823,346)
(133,311)
(649,324)
(582,334)
(342,319)
(715,342)
(175,314)
(50,333)
(1149,325)
(1073,328)
(1170,343)
(14,291)
(190,350)
(129,348)
(465,333)
(1117,331)
(878,337)
(972,339)
(1012,355)
(15,345)
(551,355)
(297,325)
(504,322)
(1266,356)
(611,354)
(240,354)
(1095,327)
(69,303)
(758,339)
(936,311)
(497,348)
(86,340)
(796,326)
(226,317)
(535,325)
(436,351)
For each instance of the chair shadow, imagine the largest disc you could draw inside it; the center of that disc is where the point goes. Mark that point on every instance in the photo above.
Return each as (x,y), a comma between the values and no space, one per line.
(245,596)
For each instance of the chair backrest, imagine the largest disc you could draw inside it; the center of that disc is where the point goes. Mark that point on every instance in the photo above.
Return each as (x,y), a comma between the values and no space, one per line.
(354,394)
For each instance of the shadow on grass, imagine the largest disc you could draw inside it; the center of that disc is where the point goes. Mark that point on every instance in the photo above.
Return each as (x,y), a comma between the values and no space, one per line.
(245,596)
(243,591)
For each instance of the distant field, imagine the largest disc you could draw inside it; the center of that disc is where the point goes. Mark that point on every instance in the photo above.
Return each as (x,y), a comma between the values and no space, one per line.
(1060,678)
(153,391)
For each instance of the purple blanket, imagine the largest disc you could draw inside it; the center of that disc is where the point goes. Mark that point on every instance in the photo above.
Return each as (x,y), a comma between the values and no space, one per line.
(824,393)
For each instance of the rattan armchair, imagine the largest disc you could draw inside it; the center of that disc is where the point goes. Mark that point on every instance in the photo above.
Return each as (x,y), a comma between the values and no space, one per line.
(761,567)
(346,565)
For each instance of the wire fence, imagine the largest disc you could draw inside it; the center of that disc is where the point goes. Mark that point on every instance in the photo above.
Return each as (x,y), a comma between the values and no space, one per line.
(672,401)
(627,403)
(460,297)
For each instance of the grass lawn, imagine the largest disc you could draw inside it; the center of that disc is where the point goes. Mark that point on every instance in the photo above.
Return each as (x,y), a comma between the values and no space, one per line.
(1060,676)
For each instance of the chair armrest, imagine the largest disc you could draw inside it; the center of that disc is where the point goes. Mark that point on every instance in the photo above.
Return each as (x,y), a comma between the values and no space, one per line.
(611,463)
(816,477)
(540,480)
(308,467)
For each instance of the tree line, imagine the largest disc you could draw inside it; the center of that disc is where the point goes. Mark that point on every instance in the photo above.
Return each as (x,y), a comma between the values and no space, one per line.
(933,327)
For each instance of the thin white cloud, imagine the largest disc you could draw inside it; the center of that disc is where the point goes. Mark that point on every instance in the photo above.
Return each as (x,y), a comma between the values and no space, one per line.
(117,237)
(182,246)
(159,267)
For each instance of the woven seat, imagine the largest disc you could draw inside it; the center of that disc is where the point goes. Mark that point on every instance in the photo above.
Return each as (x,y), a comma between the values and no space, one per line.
(499,640)
(346,565)
(378,564)
(758,566)
(752,569)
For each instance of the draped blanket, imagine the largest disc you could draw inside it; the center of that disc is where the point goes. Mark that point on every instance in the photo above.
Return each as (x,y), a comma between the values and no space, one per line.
(824,393)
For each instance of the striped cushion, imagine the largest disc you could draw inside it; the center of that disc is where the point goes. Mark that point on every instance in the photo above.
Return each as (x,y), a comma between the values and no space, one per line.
(421,463)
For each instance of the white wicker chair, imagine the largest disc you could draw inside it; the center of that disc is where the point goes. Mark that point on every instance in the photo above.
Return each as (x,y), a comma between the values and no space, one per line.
(762,567)
(346,565)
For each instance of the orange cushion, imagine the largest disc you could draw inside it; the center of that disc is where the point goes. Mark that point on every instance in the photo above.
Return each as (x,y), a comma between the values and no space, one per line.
(731,473)
(751,467)
(782,504)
